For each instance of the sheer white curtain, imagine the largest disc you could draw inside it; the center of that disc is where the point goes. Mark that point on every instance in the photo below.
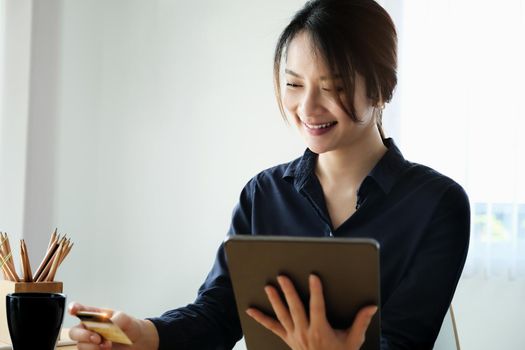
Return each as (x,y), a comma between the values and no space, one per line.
(462,84)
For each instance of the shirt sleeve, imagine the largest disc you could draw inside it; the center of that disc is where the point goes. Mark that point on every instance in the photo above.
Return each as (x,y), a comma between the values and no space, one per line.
(413,314)
(211,322)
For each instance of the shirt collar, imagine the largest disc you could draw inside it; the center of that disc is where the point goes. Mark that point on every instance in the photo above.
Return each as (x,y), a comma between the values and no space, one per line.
(385,173)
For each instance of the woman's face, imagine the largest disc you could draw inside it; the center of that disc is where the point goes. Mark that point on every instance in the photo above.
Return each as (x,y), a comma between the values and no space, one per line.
(311,100)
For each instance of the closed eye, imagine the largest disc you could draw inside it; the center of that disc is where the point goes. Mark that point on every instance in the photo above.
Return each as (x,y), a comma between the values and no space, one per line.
(293,85)
(338,89)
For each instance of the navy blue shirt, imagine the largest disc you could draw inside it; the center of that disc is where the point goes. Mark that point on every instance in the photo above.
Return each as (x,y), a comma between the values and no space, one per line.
(420,217)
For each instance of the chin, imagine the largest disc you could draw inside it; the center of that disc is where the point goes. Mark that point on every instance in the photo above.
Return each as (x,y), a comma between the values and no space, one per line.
(319,149)
(319,145)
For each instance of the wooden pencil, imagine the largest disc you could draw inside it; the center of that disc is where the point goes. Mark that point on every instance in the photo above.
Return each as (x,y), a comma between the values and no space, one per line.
(45,262)
(58,249)
(25,262)
(11,262)
(68,249)
(53,261)
(28,263)
(52,239)
(56,262)
(6,258)
(2,255)
(8,269)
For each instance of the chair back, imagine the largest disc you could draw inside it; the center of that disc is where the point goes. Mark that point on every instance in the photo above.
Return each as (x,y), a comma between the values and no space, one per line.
(448,338)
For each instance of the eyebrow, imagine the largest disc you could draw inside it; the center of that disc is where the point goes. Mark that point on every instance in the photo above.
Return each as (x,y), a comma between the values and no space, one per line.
(291,72)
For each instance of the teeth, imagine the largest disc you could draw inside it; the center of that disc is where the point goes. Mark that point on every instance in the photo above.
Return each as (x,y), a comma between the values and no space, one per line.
(319,126)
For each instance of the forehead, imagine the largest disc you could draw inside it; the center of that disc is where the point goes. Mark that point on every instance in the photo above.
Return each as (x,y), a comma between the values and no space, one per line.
(303,57)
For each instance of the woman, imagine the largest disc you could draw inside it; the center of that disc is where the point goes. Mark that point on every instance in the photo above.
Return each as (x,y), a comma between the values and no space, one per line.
(339,60)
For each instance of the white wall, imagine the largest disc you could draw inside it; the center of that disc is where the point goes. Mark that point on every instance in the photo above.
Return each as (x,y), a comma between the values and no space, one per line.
(14,86)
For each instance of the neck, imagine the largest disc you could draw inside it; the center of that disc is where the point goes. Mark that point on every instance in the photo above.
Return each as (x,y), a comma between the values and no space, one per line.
(349,166)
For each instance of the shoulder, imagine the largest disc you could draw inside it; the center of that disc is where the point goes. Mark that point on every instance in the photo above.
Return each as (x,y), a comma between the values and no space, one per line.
(434,186)
(272,183)
(417,174)
(275,177)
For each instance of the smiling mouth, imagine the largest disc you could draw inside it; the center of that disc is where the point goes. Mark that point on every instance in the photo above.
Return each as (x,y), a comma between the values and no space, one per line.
(319,126)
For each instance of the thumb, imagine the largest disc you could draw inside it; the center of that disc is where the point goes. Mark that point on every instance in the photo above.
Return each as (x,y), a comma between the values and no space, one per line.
(75,307)
(357,333)
(129,325)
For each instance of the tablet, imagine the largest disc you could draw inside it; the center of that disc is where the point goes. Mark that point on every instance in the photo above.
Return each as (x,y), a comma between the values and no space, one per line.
(348,268)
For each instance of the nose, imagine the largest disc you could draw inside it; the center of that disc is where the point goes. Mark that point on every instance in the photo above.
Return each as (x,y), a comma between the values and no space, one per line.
(310,104)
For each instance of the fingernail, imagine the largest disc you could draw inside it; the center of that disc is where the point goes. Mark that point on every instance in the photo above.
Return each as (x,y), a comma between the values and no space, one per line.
(93,339)
(373,311)
(249,312)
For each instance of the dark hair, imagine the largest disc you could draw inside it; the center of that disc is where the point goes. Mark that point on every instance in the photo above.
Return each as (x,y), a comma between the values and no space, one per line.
(350,36)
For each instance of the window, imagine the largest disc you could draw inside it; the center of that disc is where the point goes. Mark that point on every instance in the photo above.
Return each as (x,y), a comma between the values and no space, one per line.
(462,113)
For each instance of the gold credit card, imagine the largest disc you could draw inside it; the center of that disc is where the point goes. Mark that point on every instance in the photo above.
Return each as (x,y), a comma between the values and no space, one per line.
(100,323)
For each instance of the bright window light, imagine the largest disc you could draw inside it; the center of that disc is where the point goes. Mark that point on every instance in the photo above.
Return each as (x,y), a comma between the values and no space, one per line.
(462,112)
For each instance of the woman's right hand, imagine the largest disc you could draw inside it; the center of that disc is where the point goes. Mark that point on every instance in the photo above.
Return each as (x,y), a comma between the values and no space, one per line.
(142,333)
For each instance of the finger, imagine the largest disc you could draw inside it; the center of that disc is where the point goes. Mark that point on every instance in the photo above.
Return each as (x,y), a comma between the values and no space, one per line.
(356,336)
(75,307)
(294,302)
(317,305)
(280,309)
(86,346)
(128,324)
(90,341)
(268,322)
(82,335)
(104,346)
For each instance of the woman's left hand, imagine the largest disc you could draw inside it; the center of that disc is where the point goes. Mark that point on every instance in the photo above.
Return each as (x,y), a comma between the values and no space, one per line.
(301,332)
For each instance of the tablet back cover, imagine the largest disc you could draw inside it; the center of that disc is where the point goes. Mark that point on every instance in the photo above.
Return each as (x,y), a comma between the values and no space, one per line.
(348,268)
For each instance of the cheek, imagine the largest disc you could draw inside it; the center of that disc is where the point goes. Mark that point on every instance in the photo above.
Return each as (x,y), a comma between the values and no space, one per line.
(337,105)
(342,102)
(289,101)
(365,113)
(364,110)
(361,106)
